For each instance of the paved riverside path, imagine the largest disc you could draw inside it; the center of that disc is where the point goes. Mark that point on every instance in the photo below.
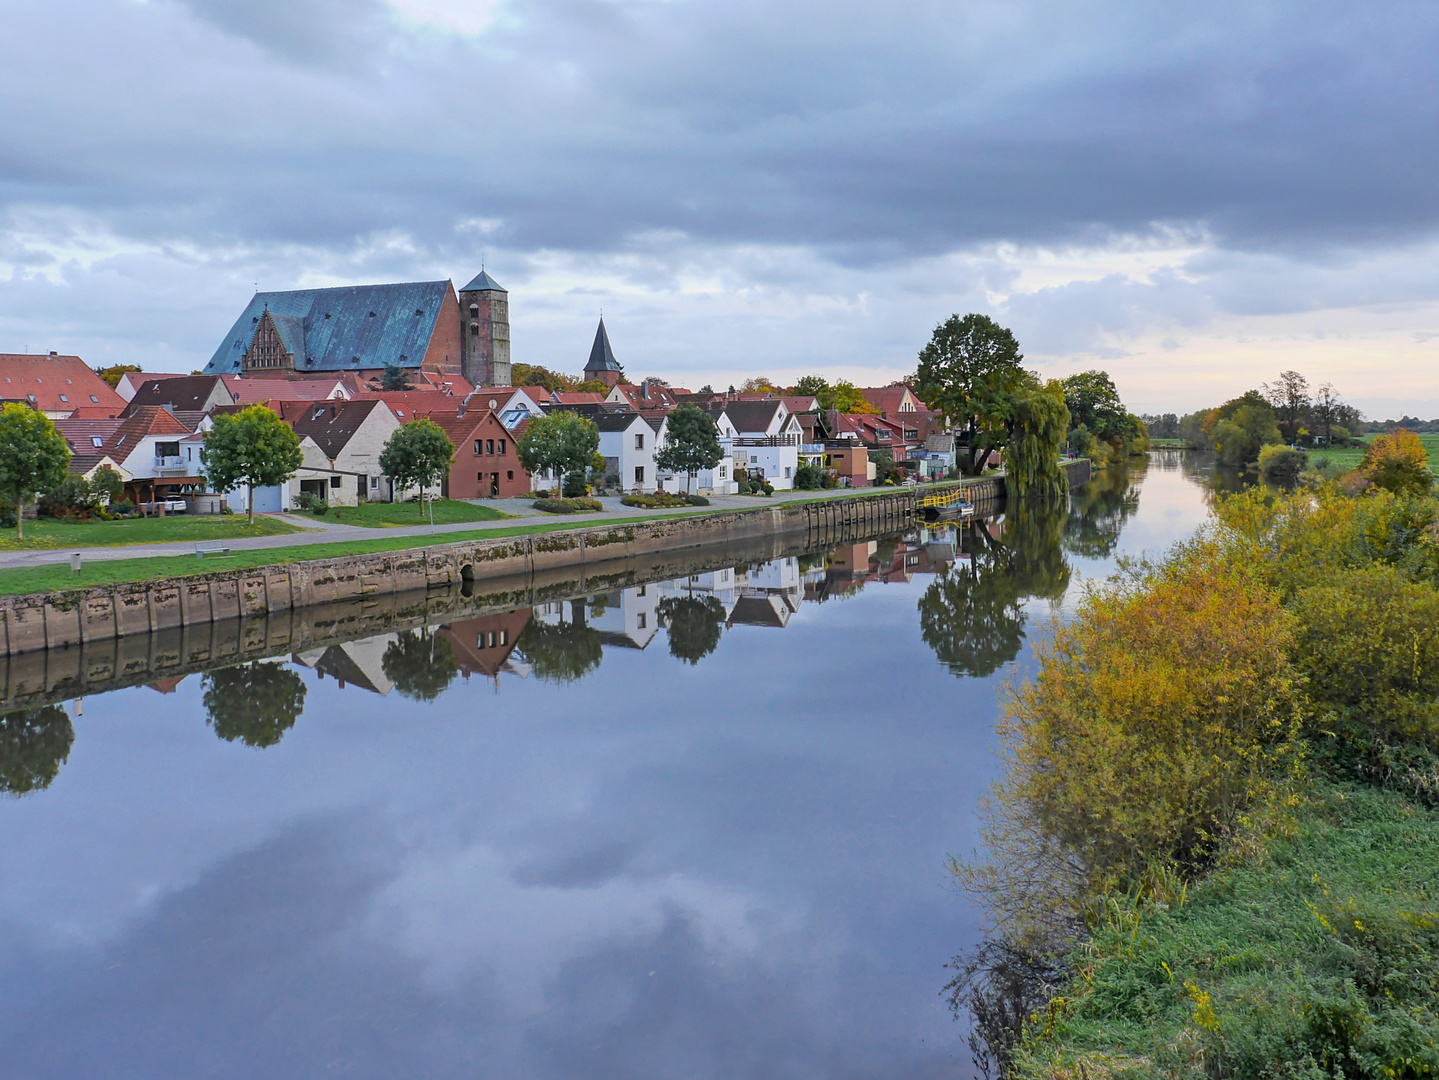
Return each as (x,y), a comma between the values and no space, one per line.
(326,531)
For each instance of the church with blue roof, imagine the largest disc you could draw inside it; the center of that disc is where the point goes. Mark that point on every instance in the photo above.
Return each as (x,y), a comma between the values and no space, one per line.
(417,325)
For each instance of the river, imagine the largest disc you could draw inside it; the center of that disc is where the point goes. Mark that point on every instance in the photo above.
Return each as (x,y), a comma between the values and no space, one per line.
(687,829)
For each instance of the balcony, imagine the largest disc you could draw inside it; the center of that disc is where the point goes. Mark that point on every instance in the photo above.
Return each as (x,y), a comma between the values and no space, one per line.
(171,466)
(768,440)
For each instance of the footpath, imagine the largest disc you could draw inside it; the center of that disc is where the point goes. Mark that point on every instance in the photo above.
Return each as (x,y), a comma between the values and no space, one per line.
(322,531)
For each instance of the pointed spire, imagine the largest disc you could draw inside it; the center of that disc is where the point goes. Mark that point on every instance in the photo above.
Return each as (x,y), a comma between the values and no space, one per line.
(602,357)
(484,283)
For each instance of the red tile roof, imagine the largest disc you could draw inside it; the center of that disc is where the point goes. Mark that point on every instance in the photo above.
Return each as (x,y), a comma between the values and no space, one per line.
(54,383)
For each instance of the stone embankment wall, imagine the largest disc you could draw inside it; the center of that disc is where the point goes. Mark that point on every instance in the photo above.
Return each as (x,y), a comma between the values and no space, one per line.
(75,617)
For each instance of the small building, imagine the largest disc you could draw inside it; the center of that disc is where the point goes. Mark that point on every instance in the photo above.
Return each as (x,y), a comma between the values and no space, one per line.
(628,441)
(486,465)
(764,438)
(189,397)
(56,385)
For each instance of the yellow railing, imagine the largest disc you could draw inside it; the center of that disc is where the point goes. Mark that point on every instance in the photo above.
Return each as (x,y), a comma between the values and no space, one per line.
(940,499)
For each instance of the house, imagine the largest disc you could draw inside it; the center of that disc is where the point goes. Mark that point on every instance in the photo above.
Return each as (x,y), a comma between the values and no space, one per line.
(936,458)
(602,365)
(576,397)
(764,438)
(628,441)
(420,326)
(504,399)
(647,395)
(143,447)
(189,397)
(350,435)
(486,465)
(131,381)
(482,646)
(56,385)
(892,400)
(256,391)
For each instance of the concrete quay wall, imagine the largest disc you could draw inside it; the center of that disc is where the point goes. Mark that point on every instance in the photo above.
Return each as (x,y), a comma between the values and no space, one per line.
(31,623)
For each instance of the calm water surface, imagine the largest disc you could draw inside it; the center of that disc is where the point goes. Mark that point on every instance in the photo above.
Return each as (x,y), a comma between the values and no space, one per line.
(542,844)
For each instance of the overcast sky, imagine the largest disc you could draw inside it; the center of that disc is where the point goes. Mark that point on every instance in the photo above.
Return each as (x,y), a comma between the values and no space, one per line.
(1192,197)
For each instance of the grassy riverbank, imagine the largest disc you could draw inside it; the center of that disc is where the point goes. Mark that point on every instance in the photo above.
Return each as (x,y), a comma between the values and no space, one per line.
(56,576)
(376,515)
(47,533)
(1215,846)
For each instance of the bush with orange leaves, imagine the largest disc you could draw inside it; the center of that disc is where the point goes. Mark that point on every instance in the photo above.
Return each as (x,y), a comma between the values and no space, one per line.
(1156,717)
(1396,462)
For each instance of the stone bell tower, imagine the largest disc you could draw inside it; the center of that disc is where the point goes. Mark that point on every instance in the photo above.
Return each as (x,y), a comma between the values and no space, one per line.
(485,332)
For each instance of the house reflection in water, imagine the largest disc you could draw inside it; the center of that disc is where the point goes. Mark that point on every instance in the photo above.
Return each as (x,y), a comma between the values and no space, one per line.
(483,646)
(354,663)
(926,550)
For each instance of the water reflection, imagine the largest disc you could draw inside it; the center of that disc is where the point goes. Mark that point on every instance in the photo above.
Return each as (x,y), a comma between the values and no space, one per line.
(253,703)
(34,743)
(1099,510)
(704,840)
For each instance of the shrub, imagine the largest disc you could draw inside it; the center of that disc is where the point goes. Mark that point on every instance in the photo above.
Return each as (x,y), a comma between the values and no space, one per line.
(809,478)
(311,503)
(663,500)
(1398,462)
(1280,465)
(567,506)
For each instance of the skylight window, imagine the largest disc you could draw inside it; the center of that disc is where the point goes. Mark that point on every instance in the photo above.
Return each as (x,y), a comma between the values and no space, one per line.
(92,396)
(64,398)
(96,441)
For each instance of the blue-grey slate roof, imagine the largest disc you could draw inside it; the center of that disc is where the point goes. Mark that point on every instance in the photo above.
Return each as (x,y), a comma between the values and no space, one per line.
(602,357)
(327,328)
(484,283)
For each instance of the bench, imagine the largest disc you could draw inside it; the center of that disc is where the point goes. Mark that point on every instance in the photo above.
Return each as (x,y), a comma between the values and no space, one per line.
(211,547)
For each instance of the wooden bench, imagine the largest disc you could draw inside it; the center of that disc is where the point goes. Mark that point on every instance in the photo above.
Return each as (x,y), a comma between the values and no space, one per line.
(211,547)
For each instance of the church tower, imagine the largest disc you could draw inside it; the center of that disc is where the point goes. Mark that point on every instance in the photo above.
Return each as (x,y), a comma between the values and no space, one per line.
(485,332)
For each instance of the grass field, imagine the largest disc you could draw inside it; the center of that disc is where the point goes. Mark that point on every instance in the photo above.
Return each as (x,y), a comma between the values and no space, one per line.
(33,579)
(46,533)
(389,515)
(1351,457)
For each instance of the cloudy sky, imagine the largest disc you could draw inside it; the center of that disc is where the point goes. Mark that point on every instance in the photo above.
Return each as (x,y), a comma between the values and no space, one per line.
(1193,197)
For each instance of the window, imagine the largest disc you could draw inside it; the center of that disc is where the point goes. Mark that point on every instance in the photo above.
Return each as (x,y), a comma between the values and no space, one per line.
(479,478)
(167,449)
(64,398)
(639,474)
(641,590)
(374,482)
(639,441)
(489,446)
(474,311)
(96,441)
(478,444)
(786,472)
(92,396)
(336,481)
(510,475)
(474,329)
(640,621)
(31,397)
(504,637)
(502,448)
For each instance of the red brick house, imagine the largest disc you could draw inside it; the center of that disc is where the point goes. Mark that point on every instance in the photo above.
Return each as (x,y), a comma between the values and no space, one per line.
(485,466)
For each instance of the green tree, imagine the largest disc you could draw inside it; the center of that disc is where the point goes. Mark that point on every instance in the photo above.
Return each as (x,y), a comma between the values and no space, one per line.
(968,363)
(693,624)
(253,703)
(1398,462)
(691,443)
(395,378)
(253,447)
(421,666)
(33,456)
(107,485)
(115,372)
(845,397)
(1038,422)
(34,743)
(1289,397)
(561,652)
(1241,427)
(760,384)
(564,443)
(417,455)
(811,386)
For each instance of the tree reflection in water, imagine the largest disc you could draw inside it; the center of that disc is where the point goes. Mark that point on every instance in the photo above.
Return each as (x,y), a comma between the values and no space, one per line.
(1099,510)
(34,743)
(694,625)
(972,615)
(561,652)
(421,665)
(253,703)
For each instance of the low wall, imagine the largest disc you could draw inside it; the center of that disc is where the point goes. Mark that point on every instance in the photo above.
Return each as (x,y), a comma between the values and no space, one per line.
(75,617)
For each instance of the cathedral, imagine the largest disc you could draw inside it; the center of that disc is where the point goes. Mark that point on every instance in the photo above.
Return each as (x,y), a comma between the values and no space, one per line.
(418,325)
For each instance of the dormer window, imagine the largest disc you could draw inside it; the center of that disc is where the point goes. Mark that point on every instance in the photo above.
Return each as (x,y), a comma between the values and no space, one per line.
(31,397)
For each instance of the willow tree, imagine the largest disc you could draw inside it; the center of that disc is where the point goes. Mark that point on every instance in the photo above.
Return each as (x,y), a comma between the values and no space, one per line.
(1039,421)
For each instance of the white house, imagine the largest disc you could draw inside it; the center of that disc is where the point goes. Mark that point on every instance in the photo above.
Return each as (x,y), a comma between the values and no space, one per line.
(764,438)
(628,441)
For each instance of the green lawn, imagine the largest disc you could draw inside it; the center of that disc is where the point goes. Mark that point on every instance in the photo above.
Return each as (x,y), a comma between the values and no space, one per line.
(54,576)
(1351,457)
(52,533)
(379,514)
